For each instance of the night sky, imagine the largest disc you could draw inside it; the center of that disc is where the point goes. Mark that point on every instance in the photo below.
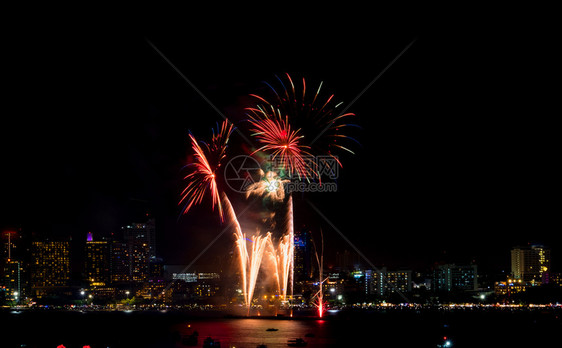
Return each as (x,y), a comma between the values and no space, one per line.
(456,162)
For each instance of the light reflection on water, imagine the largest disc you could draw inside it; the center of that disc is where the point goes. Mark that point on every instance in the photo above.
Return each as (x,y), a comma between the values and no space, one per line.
(252,332)
(141,329)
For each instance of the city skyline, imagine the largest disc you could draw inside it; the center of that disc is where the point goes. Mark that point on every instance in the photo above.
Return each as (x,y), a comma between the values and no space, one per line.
(94,258)
(491,263)
(40,270)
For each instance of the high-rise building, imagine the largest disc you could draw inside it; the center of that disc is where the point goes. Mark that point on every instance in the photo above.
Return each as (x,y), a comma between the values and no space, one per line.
(11,265)
(97,262)
(12,279)
(141,233)
(303,254)
(139,261)
(382,282)
(399,281)
(141,242)
(451,277)
(530,263)
(119,262)
(51,265)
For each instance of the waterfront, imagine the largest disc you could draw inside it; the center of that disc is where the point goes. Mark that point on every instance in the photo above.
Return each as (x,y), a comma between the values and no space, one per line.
(397,328)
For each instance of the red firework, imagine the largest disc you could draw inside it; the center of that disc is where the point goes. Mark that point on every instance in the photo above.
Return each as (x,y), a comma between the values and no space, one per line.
(283,143)
(207,161)
(281,124)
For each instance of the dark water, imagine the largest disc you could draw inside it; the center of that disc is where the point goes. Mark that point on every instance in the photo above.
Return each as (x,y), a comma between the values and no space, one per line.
(343,329)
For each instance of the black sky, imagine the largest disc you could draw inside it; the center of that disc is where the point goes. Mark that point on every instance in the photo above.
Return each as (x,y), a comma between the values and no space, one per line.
(458,156)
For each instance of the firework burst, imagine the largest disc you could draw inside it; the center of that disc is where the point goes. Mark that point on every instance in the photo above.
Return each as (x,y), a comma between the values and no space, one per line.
(207,161)
(270,186)
(281,123)
(282,142)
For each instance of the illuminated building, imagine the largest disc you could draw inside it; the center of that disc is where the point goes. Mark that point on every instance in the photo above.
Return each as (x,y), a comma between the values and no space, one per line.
(207,284)
(156,269)
(12,279)
(555,278)
(138,261)
(510,287)
(530,263)
(141,242)
(303,255)
(51,266)
(151,290)
(453,277)
(206,290)
(130,259)
(208,276)
(398,281)
(185,277)
(119,262)
(382,282)
(141,233)
(97,262)
(12,266)
(189,285)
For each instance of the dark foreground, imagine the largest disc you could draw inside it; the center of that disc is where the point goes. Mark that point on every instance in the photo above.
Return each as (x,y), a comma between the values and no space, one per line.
(464,328)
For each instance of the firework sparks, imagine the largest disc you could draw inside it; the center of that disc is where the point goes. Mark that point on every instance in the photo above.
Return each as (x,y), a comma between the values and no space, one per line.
(283,143)
(207,161)
(281,124)
(270,186)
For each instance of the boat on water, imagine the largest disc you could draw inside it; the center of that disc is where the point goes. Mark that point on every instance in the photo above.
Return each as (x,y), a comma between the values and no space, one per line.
(211,343)
(272,329)
(297,342)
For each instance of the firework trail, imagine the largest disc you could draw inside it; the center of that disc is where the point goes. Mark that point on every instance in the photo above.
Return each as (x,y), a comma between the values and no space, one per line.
(259,245)
(202,180)
(249,260)
(319,303)
(206,163)
(285,263)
